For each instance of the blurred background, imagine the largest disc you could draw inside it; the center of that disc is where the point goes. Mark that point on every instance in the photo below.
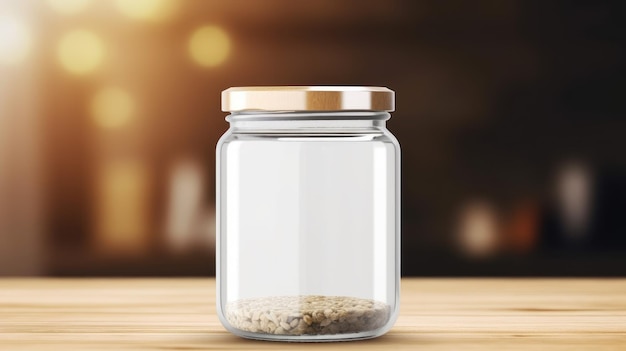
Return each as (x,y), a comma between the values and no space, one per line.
(510,114)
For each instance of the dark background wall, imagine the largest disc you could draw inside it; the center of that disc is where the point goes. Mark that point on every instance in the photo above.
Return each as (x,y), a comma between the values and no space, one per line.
(510,115)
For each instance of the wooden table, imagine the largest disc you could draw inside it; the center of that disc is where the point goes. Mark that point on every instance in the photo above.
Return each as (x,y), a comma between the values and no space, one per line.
(436,314)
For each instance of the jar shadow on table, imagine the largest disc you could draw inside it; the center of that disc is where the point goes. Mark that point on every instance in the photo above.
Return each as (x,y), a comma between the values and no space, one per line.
(230,341)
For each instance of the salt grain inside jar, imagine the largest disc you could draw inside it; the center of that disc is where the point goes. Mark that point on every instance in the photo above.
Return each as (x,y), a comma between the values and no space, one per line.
(308,213)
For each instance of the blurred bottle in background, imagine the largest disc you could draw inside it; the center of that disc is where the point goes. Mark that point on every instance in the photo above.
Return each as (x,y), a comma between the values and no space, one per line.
(586,211)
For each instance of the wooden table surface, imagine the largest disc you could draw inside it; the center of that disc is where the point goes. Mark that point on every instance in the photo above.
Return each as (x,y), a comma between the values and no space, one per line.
(436,314)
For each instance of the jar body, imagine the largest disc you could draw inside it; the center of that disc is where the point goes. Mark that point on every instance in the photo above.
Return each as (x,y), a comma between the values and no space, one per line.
(308,231)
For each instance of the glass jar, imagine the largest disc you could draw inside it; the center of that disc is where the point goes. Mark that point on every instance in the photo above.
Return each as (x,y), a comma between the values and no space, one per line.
(308,213)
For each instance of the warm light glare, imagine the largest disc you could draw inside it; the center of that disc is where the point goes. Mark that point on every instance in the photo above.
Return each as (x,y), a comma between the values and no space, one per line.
(112,108)
(80,52)
(68,7)
(149,10)
(209,46)
(15,40)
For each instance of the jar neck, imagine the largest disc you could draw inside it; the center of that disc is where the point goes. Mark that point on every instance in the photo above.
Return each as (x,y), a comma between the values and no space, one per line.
(308,120)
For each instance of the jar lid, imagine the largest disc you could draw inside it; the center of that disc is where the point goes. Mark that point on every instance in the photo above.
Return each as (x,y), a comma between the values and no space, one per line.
(308,98)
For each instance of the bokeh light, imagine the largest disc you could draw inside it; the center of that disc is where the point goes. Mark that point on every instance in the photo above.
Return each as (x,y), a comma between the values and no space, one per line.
(122,208)
(209,46)
(478,229)
(68,7)
(148,10)
(80,51)
(112,108)
(15,40)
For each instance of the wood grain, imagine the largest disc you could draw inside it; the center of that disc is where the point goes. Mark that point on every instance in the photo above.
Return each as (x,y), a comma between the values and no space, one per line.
(436,314)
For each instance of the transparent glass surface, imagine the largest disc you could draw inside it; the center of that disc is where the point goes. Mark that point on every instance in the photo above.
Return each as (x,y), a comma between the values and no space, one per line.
(308,226)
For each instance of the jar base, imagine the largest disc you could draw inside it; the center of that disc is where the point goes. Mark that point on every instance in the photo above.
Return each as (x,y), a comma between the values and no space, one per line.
(309,338)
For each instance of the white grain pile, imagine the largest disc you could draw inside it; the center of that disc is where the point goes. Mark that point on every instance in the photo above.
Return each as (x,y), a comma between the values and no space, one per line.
(307,315)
